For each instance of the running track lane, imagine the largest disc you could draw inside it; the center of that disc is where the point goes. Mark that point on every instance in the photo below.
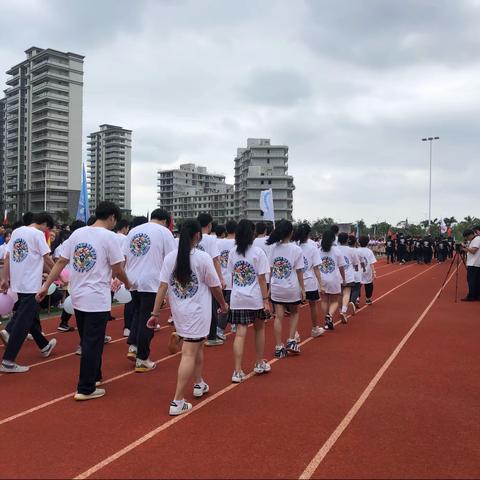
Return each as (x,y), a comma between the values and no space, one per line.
(109,423)
(423,418)
(272,434)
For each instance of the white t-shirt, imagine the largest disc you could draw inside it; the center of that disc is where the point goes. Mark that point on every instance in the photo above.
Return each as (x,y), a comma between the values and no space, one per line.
(357,274)
(91,252)
(209,244)
(145,248)
(246,291)
(26,248)
(191,304)
(261,242)
(285,259)
(311,259)
(473,259)
(121,239)
(3,251)
(330,270)
(350,260)
(224,246)
(366,256)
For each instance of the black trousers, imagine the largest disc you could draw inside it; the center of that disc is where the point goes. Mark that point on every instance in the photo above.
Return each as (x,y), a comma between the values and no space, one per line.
(368,290)
(26,320)
(222,317)
(390,256)
(140,334)
(355,292)
(128,310)
(473,280)
(214,322)
(401,253)
(91,327)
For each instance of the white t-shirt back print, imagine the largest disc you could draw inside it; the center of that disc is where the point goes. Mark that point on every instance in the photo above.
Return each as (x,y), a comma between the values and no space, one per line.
(366,256)
(191,304)
(224,246)
(311,259)
(26,249)
(330,270)
(91,252)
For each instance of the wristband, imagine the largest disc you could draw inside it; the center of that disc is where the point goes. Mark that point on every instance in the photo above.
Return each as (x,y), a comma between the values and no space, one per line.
(154,314)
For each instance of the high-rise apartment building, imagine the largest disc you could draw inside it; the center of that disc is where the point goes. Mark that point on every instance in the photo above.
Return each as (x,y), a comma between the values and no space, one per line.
(189,190)
(43,132)
(109,166)
(258,167)
(3,102)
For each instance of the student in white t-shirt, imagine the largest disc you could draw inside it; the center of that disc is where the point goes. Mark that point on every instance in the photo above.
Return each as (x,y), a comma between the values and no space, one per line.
(145,249)
(4,246)
(351,266)
(94,255)
(357,273)
(28,255)
(189,276)
(209,245)
(473,265)
(247,267)
(287,288)
(311,273)
(367,257)
(333,276)
(224,246)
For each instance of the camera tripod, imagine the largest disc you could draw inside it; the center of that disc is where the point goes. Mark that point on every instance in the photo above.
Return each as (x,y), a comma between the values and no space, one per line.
(456,261)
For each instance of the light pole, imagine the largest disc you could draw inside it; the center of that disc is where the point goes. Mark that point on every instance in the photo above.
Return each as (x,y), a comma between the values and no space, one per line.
(430,139)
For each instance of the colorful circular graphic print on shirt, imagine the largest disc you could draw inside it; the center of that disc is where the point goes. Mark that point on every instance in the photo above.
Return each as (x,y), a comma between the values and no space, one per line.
(184,291)
(84,257)
(327,265)
(243,274)
(305,264)
(140,244)
(347,262)
(20,250)
(224,258)
(281,268)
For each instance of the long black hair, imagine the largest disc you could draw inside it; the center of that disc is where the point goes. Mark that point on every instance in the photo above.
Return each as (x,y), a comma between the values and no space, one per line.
(302,233)
(327,241)
(283,230)
(244,235)
(343,238)
(183,270)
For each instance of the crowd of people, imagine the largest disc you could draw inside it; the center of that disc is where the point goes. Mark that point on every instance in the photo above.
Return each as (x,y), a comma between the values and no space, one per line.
(211,276)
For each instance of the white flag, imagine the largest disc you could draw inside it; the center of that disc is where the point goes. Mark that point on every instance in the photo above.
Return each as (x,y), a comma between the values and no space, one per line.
(443,227)
(266,205)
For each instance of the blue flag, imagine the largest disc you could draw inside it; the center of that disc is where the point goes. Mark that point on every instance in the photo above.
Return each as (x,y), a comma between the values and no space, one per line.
(83,211)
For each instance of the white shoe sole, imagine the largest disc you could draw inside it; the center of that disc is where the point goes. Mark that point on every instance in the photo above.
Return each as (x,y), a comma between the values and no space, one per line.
(81,397)
(200,394)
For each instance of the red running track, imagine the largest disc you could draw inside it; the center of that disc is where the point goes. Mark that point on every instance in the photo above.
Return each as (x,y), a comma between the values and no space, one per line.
(271,426)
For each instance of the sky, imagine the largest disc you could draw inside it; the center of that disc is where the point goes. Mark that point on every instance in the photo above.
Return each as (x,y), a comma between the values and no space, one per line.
(351,87)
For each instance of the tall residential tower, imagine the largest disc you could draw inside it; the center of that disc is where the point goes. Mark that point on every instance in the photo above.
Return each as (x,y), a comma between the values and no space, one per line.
(109,166)
(43,132)
(258,167)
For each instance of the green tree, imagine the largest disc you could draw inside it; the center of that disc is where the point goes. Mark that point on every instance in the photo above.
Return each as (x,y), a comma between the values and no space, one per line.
(321,225)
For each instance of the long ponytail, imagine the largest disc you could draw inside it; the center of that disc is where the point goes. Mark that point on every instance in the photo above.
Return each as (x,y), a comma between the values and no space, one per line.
(302,233)
(283,230)
(244,236)
(327,241)
(183,270)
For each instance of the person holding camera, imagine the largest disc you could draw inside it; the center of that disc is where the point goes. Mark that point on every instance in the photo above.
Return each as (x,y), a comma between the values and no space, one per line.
(473,265)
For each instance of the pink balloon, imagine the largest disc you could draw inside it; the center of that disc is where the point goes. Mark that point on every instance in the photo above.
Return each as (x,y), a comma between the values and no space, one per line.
(12,294)
(65,275)
(6,304)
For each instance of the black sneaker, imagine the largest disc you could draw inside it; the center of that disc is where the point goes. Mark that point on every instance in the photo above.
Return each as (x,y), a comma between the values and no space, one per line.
(368,301)
(65,328)
(329,325)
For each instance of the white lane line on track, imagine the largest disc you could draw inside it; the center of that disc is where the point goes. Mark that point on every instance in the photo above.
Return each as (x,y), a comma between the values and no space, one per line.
(128,448)
(342,426)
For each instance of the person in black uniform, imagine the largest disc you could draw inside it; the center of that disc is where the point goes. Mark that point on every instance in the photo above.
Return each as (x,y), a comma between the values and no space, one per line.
(451,246)
(401,249)
(410,250)
(442,250)
(390,250)
(418,251)
(427,249)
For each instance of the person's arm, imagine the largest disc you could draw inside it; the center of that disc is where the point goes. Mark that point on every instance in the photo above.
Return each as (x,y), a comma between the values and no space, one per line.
(218,269)
(264,289)
(218,295)
(5,283)
(119,272)
(159,299)
(48,263)
(316,271)
(342,273)
(53,275)
(302,283)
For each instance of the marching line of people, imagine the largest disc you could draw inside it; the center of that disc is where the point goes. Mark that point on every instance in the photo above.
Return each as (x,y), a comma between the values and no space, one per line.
(212,276)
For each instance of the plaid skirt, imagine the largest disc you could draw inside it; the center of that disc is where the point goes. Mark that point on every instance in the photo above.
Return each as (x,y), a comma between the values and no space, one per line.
(246,317)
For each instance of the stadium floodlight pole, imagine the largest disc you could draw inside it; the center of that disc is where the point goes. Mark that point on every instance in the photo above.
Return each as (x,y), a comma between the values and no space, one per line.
(430,139)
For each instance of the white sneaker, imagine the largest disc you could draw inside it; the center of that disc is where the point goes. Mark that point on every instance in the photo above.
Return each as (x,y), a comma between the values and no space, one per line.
(238,377)
(353,307)
(317,332)
(107,339)
(47,351)
(126,332)
(170,321)
(78,351)
(177,408)
(297,337)
(99,392)
(132,353)
(10,367)
(262,367)
(200,390)
(4,337)
(142,366)
(344,317)
(29,337)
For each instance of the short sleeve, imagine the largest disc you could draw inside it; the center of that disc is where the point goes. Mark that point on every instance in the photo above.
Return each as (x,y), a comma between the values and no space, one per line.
(126,246)
(262,267)
(169,244)
(298,259)
(372,258)
(165,272)
(316,259)
(114,252)
(214,251)
(66,249)
(340,258)
(42,245)
(230,262)
(210,274)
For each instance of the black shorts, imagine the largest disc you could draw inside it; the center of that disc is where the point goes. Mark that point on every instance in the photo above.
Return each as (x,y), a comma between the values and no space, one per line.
(193,340)
(286,304)
(351,284)
(312,296)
